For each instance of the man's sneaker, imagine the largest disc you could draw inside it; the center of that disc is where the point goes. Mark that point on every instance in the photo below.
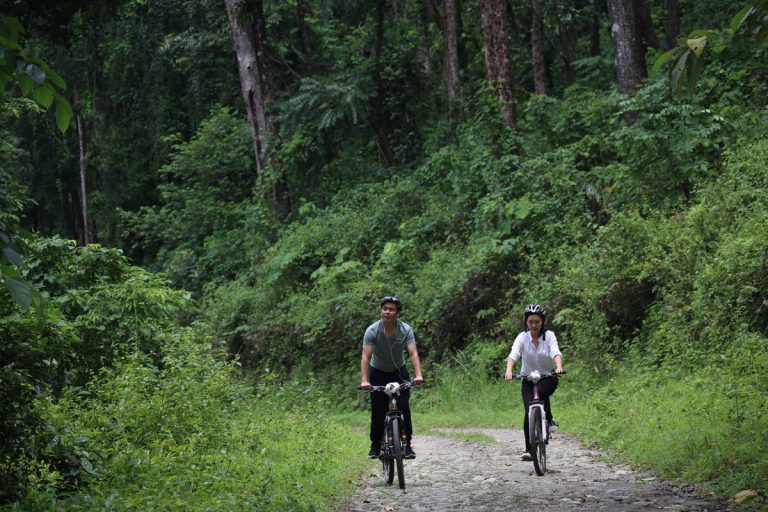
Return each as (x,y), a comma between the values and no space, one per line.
(526,456)
(409,452)
(375,451)
(552,426)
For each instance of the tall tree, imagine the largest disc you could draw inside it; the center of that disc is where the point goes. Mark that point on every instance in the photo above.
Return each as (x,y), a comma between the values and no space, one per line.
(246,19)
(497,65)
(86,236)
(629,50)
(673,23)
(379,118)
(305,40)
(452,35)
(566,46)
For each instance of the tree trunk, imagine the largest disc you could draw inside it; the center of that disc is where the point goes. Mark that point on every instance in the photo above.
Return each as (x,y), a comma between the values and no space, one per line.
(258,89)
(86,235)
(673,23)
(305,40)
(646,25)
(566,51)
(247,50)
(423,40)
(629,51)
(594,40)
(379,119)
(452,55)
(497,66)
(436,16)
(537,51)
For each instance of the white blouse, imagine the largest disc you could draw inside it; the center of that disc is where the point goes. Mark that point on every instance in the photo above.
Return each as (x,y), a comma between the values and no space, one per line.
(541,359)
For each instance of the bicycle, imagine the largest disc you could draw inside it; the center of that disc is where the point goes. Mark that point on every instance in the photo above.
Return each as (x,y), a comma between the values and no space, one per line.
(393,441)
(538,427)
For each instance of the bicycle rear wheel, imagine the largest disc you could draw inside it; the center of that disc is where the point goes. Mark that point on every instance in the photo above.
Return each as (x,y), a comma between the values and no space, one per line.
(398,453)
(538,446)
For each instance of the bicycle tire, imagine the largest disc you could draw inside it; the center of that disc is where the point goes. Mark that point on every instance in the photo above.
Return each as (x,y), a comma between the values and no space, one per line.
(398,453)
(386,460)
(538,448)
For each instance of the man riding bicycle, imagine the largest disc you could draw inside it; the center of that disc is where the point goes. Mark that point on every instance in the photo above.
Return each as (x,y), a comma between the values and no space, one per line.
(382,362)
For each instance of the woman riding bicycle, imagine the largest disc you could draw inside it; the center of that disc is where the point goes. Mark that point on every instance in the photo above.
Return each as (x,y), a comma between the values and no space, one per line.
(539,351)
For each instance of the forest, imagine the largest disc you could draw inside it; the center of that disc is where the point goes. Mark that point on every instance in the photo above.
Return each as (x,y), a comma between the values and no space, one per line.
(202,203)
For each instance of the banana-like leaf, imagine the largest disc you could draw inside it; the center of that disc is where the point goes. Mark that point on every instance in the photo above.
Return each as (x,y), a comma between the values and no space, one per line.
(21,291)
(63,113)
(664,57)
(697,45)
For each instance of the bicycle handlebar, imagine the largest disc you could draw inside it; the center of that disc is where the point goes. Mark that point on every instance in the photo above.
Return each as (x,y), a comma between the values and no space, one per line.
(541,376)
(400,386)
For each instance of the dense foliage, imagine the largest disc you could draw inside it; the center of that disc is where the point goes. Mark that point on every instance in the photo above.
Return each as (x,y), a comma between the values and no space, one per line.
(646,241)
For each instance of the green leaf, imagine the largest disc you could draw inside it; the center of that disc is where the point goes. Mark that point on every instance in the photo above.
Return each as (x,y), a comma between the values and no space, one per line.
(762,36)
(44,95)
(678,71)
(12,256)
(664,57)
(21,291)
(697,45)
(56,79)
(695,65)
(63,113)
(25,83)
(741,16)
(10,27)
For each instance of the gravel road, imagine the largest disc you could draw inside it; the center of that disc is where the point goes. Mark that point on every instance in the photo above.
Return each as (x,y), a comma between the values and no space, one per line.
(454,471)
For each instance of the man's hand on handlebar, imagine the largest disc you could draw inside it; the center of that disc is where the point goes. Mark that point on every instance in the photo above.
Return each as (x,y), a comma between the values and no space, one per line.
(418,380)
(365,385)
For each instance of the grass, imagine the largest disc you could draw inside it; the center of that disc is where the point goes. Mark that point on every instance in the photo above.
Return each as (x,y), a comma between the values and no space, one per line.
(193,435)
(690,427)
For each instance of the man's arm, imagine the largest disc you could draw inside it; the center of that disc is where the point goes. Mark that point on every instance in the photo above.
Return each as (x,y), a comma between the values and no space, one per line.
(416,362)
(365,362)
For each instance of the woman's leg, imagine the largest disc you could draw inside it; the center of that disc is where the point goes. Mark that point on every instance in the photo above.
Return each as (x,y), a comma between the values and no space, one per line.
(547,388)
(527,393)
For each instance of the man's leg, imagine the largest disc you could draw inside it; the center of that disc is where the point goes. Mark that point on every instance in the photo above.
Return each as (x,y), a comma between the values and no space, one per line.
(379,406)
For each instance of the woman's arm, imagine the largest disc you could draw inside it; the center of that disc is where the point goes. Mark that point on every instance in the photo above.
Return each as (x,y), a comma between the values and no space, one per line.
(559,363)
(509,375)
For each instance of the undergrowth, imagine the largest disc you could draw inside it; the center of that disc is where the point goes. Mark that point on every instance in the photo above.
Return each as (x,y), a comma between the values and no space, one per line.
(191,435)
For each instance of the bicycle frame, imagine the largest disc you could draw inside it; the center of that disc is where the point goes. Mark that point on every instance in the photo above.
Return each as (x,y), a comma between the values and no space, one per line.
(394,438)
(388,441)
(538,435)
(537,403)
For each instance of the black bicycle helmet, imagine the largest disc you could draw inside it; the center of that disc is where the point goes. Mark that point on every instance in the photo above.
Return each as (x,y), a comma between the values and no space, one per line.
(392,298)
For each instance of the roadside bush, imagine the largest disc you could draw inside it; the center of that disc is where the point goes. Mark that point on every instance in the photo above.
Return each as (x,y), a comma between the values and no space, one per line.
(189,432)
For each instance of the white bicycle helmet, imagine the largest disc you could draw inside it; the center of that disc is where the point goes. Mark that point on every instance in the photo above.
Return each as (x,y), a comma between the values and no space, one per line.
(535,309)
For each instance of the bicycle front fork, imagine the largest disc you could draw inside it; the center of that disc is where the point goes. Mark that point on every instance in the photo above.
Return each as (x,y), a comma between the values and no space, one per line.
(543,418)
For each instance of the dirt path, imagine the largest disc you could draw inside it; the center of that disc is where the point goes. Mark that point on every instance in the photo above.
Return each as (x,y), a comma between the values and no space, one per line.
(454,474)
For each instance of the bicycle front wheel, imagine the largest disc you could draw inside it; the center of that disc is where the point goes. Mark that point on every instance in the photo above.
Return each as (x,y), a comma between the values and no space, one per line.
(538,446)
(398,453)
(386,459)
